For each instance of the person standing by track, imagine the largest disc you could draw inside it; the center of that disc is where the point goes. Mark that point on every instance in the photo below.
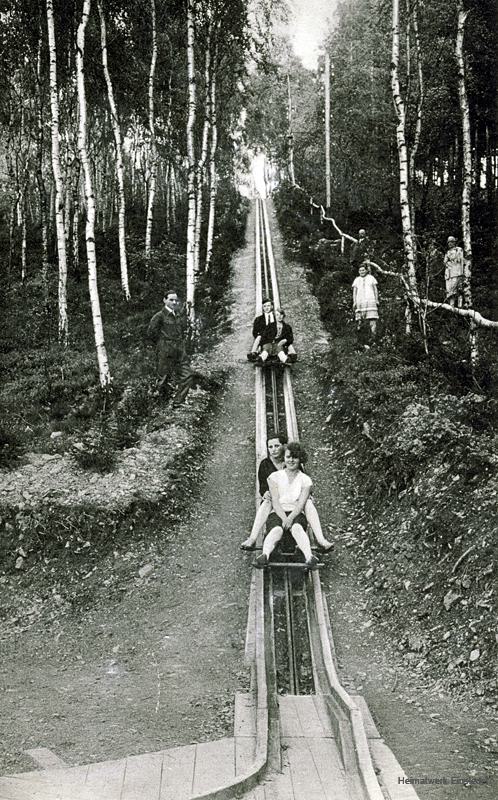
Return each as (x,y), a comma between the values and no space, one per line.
(168,331)
(365,300)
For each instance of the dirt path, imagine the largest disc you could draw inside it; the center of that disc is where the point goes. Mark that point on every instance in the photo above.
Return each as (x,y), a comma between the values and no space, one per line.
(161,667)
(431,735)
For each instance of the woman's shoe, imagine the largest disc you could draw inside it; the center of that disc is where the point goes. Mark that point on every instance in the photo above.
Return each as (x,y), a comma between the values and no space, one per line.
(261,562)
(312,563)
(247,545)
(326,548)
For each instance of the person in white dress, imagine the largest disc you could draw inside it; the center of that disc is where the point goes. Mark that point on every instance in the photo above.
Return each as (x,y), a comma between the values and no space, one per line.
(365,300)
(290,489)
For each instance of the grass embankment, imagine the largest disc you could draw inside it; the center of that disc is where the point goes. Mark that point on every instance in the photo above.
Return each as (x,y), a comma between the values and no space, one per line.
(415,436)
(88,455)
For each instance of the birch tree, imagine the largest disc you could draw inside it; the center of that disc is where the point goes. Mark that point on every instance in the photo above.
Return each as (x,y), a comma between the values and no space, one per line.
(116,129)
(58,182)
(104,372)
(191,175)
(213,177)
(467,172)
(404,182)
(201,165)
(40,142)
(152,134)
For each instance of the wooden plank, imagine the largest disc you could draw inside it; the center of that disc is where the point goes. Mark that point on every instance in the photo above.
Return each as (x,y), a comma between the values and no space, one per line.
(368,721)
(104,780)
(45,759)
(244,715)
(60,784)
(279,785)
(178,773)
(258,793)
(214,764)
(306,781)
(323,713)
(309,718)
(142,778)
(390,771)
(289,720)
(245,750)
(329,767)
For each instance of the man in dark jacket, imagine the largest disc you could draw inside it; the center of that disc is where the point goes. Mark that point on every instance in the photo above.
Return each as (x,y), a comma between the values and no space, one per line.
(361,250)
(168,331)
(277,339)
(260,323)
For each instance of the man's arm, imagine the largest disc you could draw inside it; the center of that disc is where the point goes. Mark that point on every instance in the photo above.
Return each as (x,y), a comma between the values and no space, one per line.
(154,328)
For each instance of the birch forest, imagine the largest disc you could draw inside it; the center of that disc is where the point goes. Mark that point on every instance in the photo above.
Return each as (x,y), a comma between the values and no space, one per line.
(137,138)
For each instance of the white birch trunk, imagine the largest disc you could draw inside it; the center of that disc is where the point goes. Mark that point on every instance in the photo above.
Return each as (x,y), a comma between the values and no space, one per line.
(58,183)
(418,113)
(201,166)
(153,148)
(290,136)
(39,171)
(119,157)
(399,107)
(104,373)
(213,178)
(467,175)
(172,191)
(192,101)
(328,199)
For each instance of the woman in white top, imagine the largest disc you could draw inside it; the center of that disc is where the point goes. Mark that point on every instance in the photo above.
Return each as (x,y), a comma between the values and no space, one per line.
(289,489)
(366,300)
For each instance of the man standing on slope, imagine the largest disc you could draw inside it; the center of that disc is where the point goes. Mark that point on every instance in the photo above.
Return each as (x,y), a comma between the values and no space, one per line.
(168,331)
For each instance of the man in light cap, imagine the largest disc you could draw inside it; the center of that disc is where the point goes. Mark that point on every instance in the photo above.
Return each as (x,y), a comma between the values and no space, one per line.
(456,273)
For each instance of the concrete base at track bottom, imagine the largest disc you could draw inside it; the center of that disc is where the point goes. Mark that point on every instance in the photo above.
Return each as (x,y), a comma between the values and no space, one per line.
(312,768)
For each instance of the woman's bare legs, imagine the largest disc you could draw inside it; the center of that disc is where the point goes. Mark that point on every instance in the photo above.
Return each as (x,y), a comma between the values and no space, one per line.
(259,520)
(271,540)
(302,540)
(314,520)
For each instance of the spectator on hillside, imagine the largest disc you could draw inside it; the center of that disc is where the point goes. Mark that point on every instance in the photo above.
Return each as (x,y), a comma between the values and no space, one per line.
(277,340)
(456,273)
(361,250)
(168,331)
(365,301)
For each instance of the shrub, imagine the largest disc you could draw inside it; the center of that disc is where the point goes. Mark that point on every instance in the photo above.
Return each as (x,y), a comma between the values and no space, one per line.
(96,451)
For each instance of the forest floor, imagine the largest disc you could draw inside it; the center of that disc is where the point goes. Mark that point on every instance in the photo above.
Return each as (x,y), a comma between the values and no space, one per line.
(154,659)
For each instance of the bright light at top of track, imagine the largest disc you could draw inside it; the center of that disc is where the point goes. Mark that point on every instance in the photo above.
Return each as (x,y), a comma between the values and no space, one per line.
(309,22)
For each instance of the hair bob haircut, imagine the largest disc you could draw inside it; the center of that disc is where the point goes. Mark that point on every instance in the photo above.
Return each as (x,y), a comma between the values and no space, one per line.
(297,451)
(282,438)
